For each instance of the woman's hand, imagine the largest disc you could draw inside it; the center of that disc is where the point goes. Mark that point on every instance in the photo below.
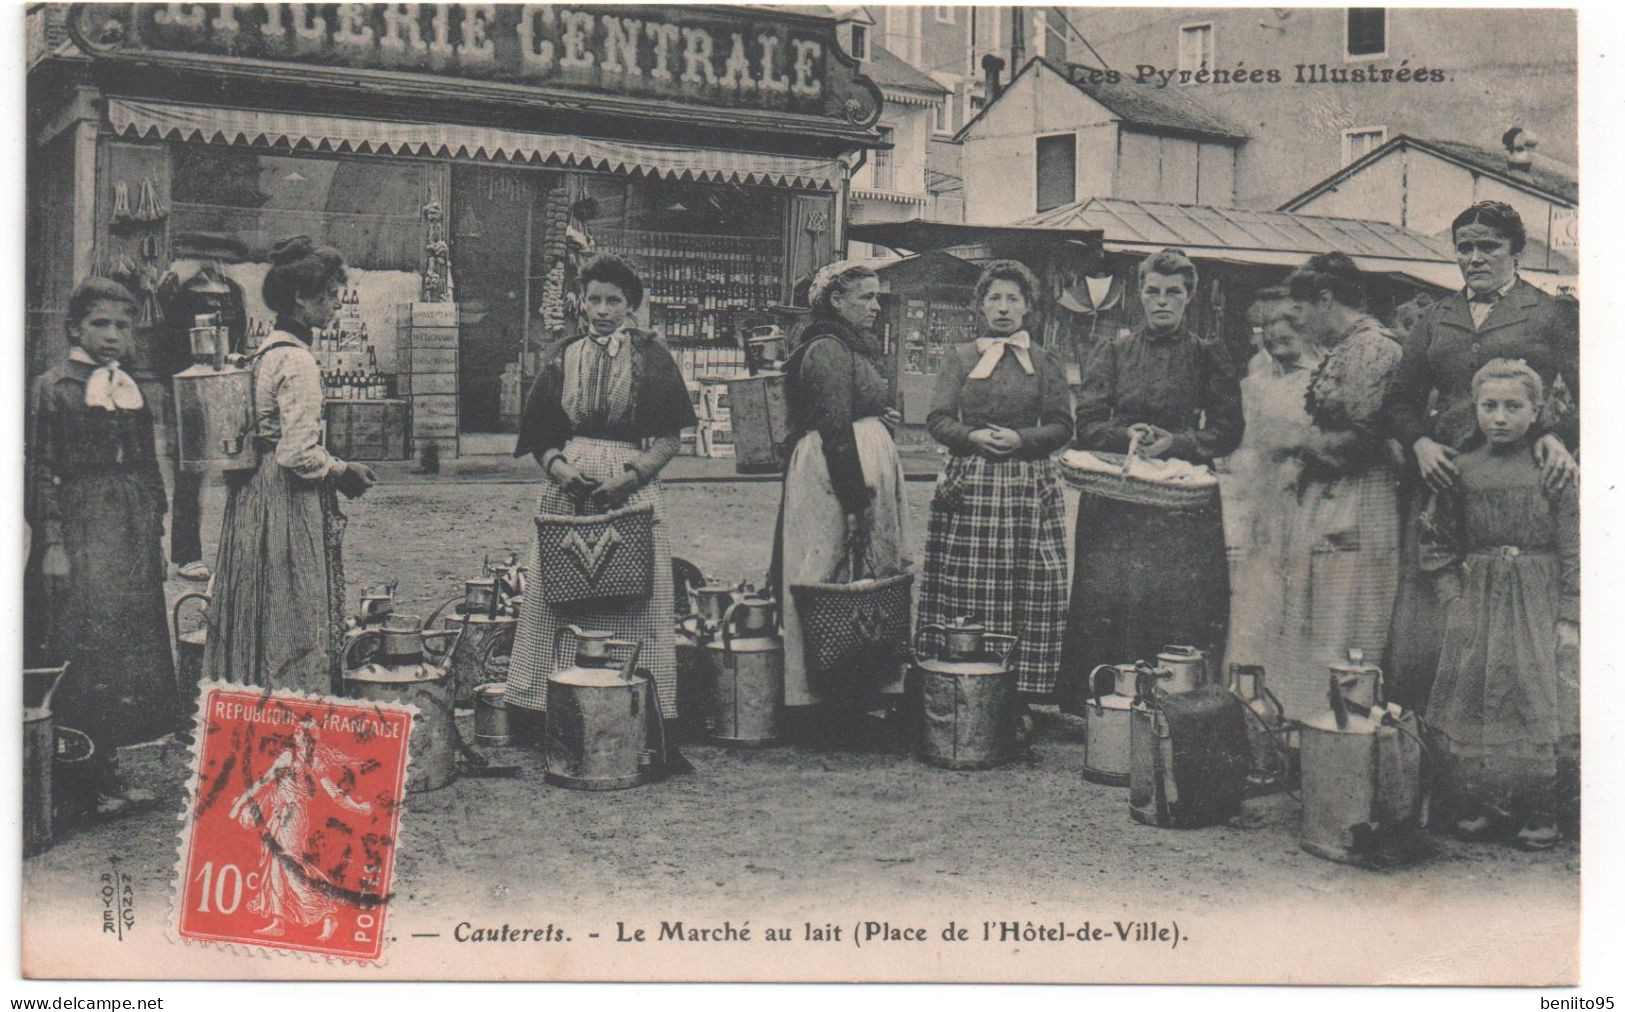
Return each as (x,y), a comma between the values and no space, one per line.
(355,480)
(891,418)
(983,440)
(1154,440)
(1558,468)
(1436,462)
(55,564)
(615,489)
(1005,441)
(1568,634)
(570,478)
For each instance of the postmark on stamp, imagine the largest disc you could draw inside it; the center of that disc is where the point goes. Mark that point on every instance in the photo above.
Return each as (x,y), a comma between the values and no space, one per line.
(292,822)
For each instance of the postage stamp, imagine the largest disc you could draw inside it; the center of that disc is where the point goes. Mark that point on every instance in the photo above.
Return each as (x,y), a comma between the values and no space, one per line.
(292,822)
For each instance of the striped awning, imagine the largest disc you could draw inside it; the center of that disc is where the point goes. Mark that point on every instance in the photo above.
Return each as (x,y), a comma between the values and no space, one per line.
(340,134)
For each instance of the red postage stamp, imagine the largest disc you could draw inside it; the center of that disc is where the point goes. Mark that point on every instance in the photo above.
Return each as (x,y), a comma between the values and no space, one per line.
(292,822)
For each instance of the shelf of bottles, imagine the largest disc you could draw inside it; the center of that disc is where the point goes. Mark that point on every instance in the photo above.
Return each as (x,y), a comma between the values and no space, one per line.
(930,329)
(347,358)
(696,284)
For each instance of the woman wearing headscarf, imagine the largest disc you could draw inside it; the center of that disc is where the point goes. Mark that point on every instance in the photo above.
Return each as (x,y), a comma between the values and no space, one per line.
(1258,483)
(604,418)
(1149,576)
(843,485)
(1340,561)
(276,617)
(95,579)
(1496,314)
(996,548)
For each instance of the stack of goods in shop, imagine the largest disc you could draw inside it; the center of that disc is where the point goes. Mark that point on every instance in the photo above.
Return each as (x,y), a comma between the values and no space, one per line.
(702,366)
(345,353)
(426,353)
(697,284)
(715,437)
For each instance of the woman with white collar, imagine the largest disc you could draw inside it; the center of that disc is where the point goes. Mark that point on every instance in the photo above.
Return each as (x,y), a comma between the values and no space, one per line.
(276,617)
(996,546)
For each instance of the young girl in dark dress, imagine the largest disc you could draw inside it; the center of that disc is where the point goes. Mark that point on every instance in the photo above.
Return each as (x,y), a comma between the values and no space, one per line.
(1505,554)
(96,505)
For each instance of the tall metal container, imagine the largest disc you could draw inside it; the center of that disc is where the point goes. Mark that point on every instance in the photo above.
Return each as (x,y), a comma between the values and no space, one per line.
(968,693)
(396,671)
(761,422)
(481,654)
(1266,727)
(747,656)
(214,406)
(189,649)
(697,666)
(596,734)
(1106,724)
(39,755)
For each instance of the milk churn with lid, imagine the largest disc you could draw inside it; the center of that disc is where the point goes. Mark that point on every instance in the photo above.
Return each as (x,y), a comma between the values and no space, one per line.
(400,662)
(968,694)
(1181,668)
(1266,727)
(214,404)
(699,617)
(747,663)
(1106,716)
(1187,753)
(39,756)
(1359,682)
(1362,775)
(597,735)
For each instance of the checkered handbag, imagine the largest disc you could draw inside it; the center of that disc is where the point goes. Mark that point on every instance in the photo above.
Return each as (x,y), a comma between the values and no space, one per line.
(863,625)
(588,559)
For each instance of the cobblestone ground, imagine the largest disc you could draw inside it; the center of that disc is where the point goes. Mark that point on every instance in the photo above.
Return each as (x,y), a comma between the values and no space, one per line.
(802,829)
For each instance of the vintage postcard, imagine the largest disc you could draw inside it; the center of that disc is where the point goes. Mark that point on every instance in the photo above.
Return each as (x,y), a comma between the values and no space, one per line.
(802,493)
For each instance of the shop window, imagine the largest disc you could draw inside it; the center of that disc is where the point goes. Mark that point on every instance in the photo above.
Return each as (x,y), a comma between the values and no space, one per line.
(931,327)
(371,211)
(885,161)
(1366,32)
(1057,170)
(1361,141)
(1196,47)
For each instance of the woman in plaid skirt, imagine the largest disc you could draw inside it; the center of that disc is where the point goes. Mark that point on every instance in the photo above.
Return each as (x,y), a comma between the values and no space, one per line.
(996,546)
(603,419)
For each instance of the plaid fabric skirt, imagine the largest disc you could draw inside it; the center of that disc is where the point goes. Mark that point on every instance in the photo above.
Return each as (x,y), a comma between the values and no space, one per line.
(648,621)
(1338,579)
(996,549)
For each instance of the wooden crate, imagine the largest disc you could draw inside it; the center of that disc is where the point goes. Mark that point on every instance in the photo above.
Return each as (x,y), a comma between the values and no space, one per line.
(368,430)
(422,338)
(416,360)
(418,384)
(427,314)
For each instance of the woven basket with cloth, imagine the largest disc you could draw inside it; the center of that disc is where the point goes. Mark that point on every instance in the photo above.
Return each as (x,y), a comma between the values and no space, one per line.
(1130,478)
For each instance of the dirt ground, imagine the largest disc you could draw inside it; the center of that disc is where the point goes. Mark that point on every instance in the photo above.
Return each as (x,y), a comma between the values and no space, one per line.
(795,828)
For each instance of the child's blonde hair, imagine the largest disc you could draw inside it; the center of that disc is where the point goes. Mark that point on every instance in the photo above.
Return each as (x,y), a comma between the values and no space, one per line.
(1511,369)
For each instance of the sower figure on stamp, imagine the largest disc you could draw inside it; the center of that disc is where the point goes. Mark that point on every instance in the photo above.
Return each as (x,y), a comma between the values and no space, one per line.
(277,617)
(95,581)
(277,806)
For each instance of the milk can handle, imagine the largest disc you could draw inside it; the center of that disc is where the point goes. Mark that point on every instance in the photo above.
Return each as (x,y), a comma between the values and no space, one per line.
(175,613)
(1094,684)
(362,648)
(919,634)
(728,628)
(1012,642)
(438,654)
(629,669)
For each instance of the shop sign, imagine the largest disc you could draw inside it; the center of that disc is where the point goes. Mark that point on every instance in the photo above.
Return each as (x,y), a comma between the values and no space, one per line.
(734,58)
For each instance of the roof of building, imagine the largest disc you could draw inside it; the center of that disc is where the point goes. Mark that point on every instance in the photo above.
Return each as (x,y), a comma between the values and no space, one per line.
(1199,225)
(888,70)
(1547,176)
(1167,110)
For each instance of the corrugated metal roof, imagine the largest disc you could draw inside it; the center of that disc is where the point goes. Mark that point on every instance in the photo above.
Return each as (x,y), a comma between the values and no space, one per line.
(1201,225)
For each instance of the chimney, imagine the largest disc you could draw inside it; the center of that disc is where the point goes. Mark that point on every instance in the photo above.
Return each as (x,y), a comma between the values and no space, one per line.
(1018,40)
(992,67)
(1520,145)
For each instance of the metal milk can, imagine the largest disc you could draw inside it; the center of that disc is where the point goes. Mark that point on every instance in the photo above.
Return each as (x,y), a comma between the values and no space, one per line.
(1362,780)
(491,728)
(1106,724)
(39,755)
(393,663)
(1185,669)
(1156,795)
(697,666)
(747,665)
(1359,682)
(1266,727)
(968,695)
(189,649)
(596,735)
(214,405)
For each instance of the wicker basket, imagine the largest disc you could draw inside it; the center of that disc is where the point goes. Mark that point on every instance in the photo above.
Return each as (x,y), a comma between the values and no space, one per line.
(596,558)
(1139,491)
(864,625)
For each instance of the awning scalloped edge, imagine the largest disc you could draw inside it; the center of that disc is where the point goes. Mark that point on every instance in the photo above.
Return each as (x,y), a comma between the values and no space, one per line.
(346,135)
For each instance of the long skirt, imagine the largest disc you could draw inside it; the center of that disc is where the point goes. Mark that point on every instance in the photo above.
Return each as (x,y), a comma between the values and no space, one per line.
(1504,699)
(1340,569)
(1417,631)
(277,614)
(996,549)
(106,621)
(648,621)
(813,538)
(1146,577)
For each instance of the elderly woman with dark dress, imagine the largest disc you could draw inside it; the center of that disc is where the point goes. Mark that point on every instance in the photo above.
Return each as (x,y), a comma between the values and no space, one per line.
(1494,315)
(1147,576)
(95,505)
(996,548)
(843,485)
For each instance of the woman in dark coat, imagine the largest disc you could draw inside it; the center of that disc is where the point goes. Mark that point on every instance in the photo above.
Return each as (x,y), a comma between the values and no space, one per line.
(844,481)
(96,506)
(604,417)
(997,542)
(1147,576)
(1495,315)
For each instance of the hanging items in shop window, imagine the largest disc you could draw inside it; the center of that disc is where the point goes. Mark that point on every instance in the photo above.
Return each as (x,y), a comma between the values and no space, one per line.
(437,284)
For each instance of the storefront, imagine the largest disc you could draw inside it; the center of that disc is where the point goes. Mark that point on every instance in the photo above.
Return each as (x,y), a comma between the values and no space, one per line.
(462,157)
